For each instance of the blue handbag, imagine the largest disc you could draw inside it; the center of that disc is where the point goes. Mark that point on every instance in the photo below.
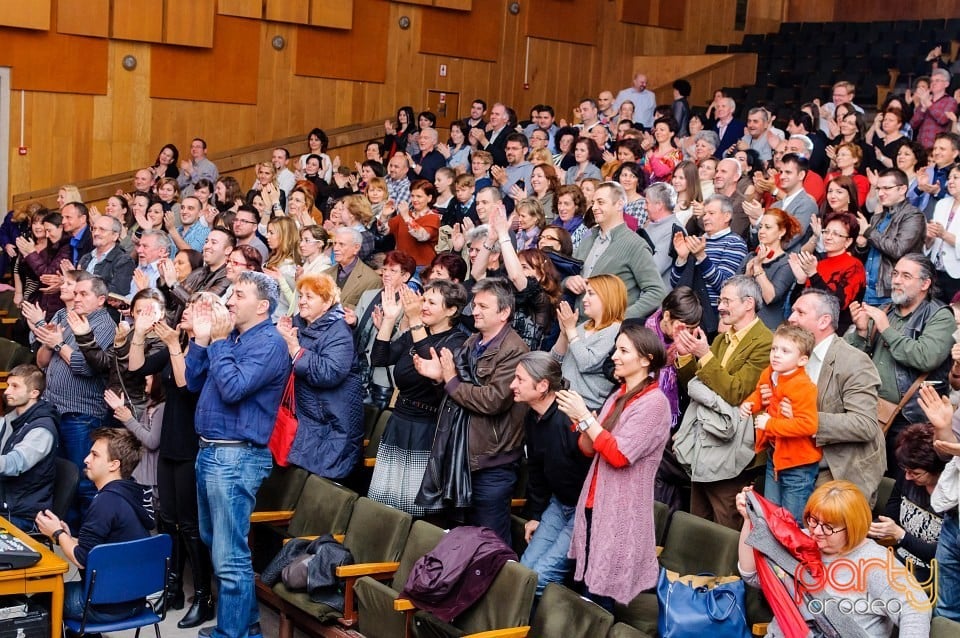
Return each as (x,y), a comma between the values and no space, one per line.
(702,605)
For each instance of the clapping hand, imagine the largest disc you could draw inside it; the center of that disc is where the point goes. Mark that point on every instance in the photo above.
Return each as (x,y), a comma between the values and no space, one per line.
(430,368)
(937,409)
(390,304)
(120,336)
(25,246)
(222,323)
(567,317)
(167,271)
(412,304)
(290,334)
(680,246)
(169,336)
(118,405)
(572,404)
(49,335)
(141,279)
(692,342)
(32,313)
(78,324)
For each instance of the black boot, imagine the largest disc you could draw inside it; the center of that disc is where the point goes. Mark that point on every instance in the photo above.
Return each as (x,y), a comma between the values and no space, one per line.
(174,599)
(202,609)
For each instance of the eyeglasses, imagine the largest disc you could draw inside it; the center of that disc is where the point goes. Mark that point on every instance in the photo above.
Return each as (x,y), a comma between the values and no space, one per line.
(826,528)
(243,221)
(889,188)
(312,241)
(833,233)
(544,238)
(904,275)
(913,472)
(238,264)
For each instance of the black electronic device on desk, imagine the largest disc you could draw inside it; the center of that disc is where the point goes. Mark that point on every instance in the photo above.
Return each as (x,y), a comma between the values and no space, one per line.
(14,553)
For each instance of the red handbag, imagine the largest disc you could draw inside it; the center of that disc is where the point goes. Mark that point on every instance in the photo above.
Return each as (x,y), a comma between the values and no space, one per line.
(285,427)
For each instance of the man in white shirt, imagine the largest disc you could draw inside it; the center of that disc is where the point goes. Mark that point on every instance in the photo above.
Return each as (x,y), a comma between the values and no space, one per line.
(285,177)
(644,101)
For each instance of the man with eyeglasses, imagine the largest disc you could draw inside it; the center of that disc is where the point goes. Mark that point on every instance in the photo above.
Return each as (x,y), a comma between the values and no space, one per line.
(932,107)
(909,338)
(896,229)
(245,230)
(108,260)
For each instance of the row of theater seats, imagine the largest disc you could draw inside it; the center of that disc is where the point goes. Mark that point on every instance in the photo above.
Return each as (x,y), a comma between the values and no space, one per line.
(385,544)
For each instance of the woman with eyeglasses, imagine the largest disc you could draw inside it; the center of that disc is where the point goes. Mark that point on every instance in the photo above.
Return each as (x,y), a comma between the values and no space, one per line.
(242,258)
(838,517)
(835,269)
(909,524)
(557,240)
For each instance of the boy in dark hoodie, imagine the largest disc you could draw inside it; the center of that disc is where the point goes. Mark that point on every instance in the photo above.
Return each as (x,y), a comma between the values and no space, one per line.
(121,511)
(28,448)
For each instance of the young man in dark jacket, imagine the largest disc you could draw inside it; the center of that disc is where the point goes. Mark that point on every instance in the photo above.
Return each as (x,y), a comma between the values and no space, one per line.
(28,448)
(120,511)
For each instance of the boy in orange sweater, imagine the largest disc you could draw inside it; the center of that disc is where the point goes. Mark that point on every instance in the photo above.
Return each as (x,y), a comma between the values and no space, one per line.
(793,458)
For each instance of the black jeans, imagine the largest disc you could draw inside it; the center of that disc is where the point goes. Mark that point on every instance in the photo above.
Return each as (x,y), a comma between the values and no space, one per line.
(492,490)
(177,484)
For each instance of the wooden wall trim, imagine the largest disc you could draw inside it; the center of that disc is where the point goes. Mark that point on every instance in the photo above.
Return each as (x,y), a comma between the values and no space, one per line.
(235,161)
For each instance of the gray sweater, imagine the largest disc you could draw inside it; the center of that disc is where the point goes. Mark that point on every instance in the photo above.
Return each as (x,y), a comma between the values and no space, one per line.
(582,365)
(880,619)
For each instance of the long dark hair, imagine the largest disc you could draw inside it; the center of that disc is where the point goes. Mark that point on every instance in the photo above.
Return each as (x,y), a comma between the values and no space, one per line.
(647,344)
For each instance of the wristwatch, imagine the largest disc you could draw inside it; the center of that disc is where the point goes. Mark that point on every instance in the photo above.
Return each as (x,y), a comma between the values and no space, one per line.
(56,536)
(584,425)
(58,347)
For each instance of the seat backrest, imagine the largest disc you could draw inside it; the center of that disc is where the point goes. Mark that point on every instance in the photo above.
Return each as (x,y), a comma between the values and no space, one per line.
(661,518)
(281,489)
(381,425)
(696,545)
(120,572)
(883,495)
(564,614)
(623,630)
(370,415)
(376,532)
(64,486)
(506,604)
(324,507)
(941,627)
(423,537)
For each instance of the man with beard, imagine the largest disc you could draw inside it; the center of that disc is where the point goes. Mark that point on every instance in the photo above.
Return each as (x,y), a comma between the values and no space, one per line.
(909,338)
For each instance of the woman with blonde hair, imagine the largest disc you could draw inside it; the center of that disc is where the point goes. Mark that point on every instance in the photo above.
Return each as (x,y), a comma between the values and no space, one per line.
(583,349)
(283,240)
(68,194)
(356,212)
(303,209)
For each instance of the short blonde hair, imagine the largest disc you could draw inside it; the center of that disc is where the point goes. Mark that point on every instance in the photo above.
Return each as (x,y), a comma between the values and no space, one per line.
(842,505)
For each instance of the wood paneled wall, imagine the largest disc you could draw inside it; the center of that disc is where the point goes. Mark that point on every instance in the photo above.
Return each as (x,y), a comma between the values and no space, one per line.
(118,126)
(869,10)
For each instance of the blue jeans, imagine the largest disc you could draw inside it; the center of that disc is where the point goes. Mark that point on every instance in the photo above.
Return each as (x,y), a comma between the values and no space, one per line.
(547,552)
(792,487)
(74,598)
(948,566)
(75,430)
(227,482)
(492,490)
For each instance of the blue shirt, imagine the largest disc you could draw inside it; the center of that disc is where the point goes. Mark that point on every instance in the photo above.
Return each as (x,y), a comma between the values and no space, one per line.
(241,380)
(873,265)
(75,244)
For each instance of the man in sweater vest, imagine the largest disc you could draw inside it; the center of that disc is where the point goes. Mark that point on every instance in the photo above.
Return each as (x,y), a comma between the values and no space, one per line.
(28,448)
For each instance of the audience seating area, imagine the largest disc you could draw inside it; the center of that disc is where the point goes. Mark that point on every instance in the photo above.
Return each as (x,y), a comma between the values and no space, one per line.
(804,60)
(386,543)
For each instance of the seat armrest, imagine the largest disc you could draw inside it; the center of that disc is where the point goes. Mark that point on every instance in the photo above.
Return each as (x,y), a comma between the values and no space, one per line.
(367,569)
(659,550)
(275,516)
(518,503)
(511,632)
(759,628)
(403,604)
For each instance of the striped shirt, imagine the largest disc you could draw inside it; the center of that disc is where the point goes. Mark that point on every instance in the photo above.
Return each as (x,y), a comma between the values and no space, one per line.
(725,252)
(73,387)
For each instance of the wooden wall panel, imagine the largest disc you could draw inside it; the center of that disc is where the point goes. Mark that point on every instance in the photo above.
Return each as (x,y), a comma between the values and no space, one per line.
(296,11)
(189,22)
(140,20)
(889,10)
(241,8)
(668,14)
(812,10)
(78,137)
(34,14)
(84,17)
(474,35)
(359,54)
(334,14)
(51,61)
(221,73)
(563,20)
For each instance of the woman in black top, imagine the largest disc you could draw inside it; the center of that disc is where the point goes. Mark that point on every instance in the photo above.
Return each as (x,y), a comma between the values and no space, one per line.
(430,322)
(176,477)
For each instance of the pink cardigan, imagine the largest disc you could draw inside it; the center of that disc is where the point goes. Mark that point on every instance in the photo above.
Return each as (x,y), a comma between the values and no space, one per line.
(623,560)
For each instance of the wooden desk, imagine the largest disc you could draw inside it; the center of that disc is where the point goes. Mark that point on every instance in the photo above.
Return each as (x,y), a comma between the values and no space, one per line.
(45,576)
